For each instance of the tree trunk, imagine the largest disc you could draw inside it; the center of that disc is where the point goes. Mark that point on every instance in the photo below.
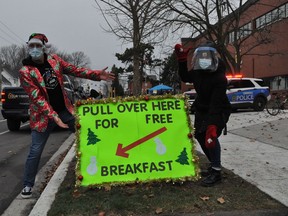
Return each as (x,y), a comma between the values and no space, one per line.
(137,81)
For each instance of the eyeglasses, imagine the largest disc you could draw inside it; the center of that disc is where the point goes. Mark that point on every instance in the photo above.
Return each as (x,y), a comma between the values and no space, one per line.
(32,45)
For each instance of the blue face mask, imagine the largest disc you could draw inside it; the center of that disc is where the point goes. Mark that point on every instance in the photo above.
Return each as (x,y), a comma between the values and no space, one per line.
(36,53)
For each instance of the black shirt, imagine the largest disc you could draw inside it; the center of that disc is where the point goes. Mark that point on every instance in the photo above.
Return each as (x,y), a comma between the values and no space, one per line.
(53,87)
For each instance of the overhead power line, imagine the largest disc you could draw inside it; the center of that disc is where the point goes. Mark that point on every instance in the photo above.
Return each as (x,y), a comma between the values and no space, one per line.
(21,40)
(6,39)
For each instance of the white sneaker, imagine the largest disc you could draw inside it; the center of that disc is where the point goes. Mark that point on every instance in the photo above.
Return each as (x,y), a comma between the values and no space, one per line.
(26,192)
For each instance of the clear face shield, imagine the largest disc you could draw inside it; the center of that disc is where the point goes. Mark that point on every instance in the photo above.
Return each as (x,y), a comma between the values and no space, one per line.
(205,59)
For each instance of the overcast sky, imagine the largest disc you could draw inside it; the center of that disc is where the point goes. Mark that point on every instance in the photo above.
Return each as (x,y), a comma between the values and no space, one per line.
(70,25)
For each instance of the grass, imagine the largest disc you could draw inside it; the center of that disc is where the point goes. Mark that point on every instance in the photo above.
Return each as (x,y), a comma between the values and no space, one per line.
(233,193)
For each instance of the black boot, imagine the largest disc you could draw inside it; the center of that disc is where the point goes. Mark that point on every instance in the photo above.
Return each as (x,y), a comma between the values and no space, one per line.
(212,179)
(206,172)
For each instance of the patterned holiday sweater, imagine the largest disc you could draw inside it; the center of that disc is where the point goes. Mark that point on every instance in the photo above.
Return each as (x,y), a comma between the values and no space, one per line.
(33,83)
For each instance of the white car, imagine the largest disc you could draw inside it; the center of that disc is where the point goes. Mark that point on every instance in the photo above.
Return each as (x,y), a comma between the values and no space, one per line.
(242,93)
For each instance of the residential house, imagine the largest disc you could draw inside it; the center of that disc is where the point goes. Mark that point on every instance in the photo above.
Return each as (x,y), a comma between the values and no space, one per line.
(7,79)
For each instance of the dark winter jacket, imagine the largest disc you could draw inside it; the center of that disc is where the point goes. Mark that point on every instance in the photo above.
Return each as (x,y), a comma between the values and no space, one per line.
(211,104)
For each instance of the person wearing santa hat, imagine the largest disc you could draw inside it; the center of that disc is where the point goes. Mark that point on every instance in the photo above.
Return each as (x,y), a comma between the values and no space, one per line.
(42,79)
(212,106)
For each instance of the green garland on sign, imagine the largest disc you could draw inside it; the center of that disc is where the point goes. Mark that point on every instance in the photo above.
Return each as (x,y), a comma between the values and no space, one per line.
(116,100)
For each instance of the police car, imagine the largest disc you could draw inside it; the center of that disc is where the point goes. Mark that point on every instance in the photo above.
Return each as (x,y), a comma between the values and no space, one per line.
(243,93)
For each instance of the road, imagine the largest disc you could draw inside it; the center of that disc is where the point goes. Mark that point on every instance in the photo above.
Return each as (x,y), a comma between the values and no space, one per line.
(14,148)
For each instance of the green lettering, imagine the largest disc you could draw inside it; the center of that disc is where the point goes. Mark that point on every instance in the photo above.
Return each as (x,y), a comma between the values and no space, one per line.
(129,169)
(113,170)
(153,167)
(169,164)
(104,171)
(121,170)
(169,118)
(156,105)
(85,110)
(145,166)
(143,107)
(170,105)
(161,165)
(137,167)
(177,105)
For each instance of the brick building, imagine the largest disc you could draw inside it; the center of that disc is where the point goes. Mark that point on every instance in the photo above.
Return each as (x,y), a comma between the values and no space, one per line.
(268,61)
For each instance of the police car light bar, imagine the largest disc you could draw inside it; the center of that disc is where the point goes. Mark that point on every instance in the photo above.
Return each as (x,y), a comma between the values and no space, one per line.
(235,76)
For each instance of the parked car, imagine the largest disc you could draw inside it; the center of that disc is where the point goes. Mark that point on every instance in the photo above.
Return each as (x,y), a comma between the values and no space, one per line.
(15,107)
(191,96)
(243,93)
(70,90)
(15,103)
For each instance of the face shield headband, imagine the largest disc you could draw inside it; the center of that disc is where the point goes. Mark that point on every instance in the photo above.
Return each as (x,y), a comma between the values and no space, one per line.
(205,59)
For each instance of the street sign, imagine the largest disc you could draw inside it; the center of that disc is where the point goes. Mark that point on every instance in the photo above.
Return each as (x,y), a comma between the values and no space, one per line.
(132,140)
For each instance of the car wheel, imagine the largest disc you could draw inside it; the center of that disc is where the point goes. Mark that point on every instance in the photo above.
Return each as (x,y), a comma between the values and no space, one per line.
(259,104)
(13,125)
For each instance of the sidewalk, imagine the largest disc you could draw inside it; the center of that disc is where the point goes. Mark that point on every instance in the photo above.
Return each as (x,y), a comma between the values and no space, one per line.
(255,148)
(258,152)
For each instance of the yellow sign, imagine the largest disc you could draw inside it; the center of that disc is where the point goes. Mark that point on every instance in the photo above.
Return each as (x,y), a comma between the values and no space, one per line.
(134,140)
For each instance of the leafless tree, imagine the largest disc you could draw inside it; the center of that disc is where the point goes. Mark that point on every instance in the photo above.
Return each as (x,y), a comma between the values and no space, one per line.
(11,58)
(219,20)
(135,22)
(78,59)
